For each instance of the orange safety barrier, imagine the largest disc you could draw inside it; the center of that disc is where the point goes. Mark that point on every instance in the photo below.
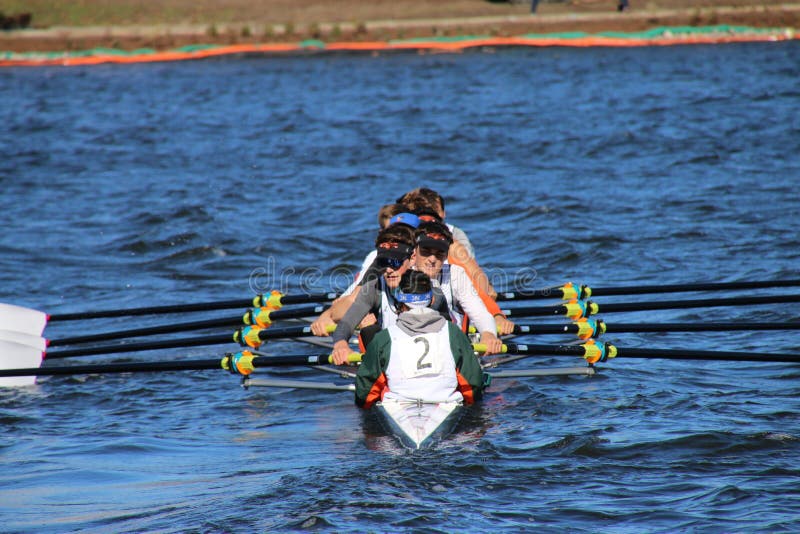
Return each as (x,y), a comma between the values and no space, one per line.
(444,45)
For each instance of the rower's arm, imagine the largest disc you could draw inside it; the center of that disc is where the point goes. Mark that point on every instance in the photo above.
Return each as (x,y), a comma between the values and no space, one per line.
(458,255)
(362,304)
(340,306)
(331,316)
(465,294)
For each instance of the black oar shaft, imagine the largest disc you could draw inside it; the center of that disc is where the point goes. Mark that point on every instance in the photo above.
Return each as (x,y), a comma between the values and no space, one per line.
(189,307)
(219,339)
(699,303)
(595,308)
(535,311)
(173,365)
(154,310)
(678,288)
(674,354)
(148,331)
(182,327)
(559,291)
(544,329)
(618,328)
(143,367)
(143,346)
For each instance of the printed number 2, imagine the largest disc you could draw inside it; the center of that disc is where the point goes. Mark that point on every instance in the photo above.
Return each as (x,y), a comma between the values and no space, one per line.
(421,365)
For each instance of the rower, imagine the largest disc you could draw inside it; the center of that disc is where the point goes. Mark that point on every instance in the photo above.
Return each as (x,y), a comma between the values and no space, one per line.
(433,240)
(461,253)
(394,246)
(435,201)
(399,229)
(421,357)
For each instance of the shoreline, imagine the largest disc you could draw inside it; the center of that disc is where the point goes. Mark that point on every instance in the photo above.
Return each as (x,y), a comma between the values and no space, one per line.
(163,37)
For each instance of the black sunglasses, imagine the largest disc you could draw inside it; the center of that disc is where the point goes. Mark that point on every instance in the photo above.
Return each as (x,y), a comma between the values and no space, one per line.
(394,263)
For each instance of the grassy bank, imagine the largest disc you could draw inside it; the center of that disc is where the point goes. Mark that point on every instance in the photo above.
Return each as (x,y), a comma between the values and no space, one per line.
(48,13)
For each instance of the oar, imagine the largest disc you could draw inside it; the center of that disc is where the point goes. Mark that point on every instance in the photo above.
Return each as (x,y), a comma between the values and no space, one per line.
(247,336)
(18,355)
(242,363)
(264,316)
(33,321)
(595,352)
(570,290)
(579,308)
(588,328)
(37,342)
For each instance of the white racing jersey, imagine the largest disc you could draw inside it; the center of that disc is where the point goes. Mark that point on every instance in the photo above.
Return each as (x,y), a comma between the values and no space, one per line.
(388,309)
(421,367)
(462,296)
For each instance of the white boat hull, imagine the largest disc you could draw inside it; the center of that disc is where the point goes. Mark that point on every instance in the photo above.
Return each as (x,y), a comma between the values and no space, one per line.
(418,425)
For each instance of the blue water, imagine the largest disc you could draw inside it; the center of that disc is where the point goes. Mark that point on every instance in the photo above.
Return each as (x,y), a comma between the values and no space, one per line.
(167,183)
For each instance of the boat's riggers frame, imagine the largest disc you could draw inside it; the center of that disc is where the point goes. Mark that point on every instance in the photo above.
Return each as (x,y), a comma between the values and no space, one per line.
(295,384)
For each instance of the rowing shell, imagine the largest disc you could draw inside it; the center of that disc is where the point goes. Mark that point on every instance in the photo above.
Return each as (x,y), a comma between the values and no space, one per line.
(416,424)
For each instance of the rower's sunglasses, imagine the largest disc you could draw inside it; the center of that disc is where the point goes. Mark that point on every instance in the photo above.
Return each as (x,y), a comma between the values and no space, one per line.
(394,263)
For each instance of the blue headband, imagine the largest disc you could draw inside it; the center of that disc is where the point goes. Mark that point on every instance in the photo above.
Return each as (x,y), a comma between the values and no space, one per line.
(413,299)
(405,218)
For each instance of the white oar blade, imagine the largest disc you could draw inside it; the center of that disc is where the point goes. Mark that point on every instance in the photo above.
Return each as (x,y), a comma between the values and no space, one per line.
(21,319)
(18,356)
(37,342)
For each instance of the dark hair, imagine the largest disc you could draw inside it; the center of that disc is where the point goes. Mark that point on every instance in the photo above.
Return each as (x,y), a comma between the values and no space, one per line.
(420,206)
(396,233)
(415,282)
(433,227)
(429,195)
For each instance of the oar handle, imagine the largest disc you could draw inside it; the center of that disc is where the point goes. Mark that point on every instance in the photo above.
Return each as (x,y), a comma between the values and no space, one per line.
(245,362)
